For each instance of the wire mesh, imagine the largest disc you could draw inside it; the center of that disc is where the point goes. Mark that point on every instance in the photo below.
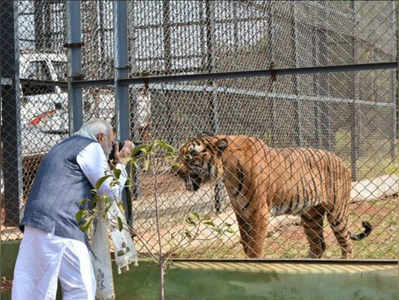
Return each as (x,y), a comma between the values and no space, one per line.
(349,113)
(252,114)
(42,107)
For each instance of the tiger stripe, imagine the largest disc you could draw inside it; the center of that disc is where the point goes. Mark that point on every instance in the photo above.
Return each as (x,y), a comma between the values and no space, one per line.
(261,180)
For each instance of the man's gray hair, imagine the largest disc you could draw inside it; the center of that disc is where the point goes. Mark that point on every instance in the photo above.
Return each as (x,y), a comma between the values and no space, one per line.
(93,128)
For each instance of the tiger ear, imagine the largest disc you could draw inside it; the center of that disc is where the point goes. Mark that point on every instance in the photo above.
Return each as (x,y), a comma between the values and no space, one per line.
(221,145)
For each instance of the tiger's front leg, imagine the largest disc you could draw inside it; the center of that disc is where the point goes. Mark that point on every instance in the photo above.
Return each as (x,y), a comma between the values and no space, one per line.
(253,232)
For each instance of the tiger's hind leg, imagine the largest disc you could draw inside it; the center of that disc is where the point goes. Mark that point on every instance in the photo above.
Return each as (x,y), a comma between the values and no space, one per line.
(313,227)
(338,225)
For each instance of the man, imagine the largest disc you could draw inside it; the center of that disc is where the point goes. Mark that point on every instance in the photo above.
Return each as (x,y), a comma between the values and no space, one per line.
(53,247)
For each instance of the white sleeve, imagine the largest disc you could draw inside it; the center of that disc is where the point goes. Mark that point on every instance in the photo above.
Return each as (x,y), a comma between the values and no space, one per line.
(94,165)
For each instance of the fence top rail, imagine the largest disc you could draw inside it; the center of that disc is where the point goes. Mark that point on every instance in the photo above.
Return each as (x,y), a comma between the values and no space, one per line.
(261,94)
(238,74)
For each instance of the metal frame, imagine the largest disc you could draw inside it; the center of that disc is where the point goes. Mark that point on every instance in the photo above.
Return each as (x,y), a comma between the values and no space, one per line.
(121,69)
(295,261)
(122,107)
(10,109)
(122,81)
(241,74)
(74,71)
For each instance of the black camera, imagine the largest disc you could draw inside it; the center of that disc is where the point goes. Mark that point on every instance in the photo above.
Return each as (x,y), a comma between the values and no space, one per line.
(112,154)
(111,157)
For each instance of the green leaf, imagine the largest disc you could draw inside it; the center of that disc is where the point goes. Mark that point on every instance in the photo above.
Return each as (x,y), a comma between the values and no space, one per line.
(117,173)
(230,230)
(101,181)
(163,145)
(218,230)
(169,155)
(190,221)
(209,223)
(81,203)
(141,148)
(120,224)
(196,215)
(133,162)
(79,215)
(129,185)
(106,199)
(93,202)
(85,227)
(175,164)
(121,206)
(146,165)
(187,233)
(159,143)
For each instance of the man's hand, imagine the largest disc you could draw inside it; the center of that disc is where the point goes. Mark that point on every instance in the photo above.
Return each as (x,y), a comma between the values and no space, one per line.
(123,155)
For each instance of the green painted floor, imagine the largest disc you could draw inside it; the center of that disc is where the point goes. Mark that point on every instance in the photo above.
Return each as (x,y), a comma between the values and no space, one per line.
(249,281)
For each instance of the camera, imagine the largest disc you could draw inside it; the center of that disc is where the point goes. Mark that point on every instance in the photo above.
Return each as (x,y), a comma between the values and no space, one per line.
(112,154)
(111,157)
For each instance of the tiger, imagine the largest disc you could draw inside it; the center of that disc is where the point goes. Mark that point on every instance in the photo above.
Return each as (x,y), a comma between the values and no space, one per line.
(263,181)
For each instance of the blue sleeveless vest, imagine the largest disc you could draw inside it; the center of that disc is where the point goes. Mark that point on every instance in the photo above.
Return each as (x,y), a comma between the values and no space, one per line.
(58,187)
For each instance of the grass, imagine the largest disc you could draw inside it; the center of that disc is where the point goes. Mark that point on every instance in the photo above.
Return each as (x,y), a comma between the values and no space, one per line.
(375,157)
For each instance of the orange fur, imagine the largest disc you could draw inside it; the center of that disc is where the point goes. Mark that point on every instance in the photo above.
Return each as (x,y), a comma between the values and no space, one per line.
(261,180)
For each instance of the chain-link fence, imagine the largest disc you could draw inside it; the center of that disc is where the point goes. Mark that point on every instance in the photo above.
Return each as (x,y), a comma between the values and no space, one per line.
(351,113)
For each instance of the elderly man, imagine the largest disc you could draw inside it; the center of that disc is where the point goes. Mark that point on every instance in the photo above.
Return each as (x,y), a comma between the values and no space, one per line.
(53,247)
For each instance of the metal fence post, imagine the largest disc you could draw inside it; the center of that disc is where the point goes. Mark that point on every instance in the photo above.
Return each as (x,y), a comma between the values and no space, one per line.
(316,106)
(297,105)
(11,129)
(396,101)
(270,39)
(166,30)
(394,91)
(213,104)
(397,70)
(354,107)
(121,69)
(166,34)
(133,98)
(74,45)
(42,15)
(324,87)
(122,107)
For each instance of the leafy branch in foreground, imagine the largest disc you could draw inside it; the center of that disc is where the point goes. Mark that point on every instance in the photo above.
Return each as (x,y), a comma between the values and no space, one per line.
(194,225)
(143,156)
(88,207)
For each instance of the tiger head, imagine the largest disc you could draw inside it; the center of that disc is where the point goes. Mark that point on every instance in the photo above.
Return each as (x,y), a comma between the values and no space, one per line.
(200,161)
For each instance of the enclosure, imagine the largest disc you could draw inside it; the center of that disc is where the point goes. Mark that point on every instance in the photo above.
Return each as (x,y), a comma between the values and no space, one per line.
(314,74)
